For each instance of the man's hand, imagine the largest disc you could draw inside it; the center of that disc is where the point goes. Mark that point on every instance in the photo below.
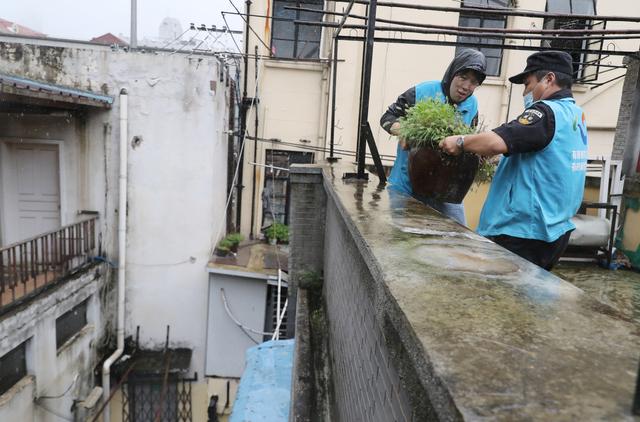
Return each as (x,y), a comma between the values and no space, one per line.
(403,144)
(450,146)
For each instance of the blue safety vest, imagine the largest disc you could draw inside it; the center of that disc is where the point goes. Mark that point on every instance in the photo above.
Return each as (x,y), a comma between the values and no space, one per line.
(535,194)
(399,178)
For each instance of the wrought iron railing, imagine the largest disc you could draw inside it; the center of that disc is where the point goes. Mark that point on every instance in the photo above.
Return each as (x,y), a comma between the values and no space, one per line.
(30,266)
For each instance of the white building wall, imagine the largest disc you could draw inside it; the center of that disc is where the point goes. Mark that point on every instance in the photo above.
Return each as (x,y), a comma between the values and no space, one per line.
(178,107)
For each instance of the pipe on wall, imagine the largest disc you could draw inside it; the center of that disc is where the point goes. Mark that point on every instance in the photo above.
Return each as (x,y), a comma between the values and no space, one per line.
(122,243)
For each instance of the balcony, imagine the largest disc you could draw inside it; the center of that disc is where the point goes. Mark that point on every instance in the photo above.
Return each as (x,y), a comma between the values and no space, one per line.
(36,264)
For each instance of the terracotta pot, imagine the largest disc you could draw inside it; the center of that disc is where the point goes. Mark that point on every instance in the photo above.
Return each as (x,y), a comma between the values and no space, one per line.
(440,176)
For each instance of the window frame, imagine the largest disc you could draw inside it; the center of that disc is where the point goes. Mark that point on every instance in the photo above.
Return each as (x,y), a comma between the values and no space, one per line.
(483,45)
(579,58)
(64,334)
(7,381)
(296,30)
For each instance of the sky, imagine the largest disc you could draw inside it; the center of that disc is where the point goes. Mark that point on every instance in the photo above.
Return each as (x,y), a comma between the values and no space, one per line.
(86,19)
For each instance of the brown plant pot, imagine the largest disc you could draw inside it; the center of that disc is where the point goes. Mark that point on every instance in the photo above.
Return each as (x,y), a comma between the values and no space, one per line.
(440,176)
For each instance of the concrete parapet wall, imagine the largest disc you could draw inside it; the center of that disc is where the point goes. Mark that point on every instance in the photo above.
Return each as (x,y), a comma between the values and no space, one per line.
(430,321)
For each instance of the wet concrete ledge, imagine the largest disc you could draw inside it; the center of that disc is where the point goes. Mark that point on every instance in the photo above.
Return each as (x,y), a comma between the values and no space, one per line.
(468,330)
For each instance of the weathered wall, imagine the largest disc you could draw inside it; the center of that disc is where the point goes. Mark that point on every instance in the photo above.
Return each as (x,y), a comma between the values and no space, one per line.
(52,370)
(178,107)
(626,148)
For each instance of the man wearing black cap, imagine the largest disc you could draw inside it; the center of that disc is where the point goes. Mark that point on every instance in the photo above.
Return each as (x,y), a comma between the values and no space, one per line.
(539,183)
(465,73)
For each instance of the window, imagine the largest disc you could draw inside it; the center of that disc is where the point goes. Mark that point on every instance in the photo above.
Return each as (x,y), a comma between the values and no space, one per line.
(296,41)
(468,19)
(13,367)
(275,195)
(581,7)
(70,323)
(271,319)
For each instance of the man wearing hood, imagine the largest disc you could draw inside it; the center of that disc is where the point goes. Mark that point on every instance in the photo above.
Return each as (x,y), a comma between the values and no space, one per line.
(465,73)
(539,184)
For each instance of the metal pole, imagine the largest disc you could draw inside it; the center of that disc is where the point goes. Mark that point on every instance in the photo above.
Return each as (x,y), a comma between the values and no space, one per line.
(255,151)
(468,44)
(366,88)
(134,24)
(333,98)
(243,116)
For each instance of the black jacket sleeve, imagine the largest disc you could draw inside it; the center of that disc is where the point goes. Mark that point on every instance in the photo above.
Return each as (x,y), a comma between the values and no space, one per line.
(532,131)
(398,109)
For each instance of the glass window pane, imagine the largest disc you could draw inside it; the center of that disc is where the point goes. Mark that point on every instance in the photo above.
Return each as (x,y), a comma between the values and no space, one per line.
(475,3)
(493,66)
(282,28)
(308,32)
(583,7)
(282,48)
(308,50)
(469,21)
(498,3)
(559,6)
(493,23)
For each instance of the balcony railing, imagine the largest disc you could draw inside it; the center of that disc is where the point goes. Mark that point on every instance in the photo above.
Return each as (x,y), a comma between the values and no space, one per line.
(30,266)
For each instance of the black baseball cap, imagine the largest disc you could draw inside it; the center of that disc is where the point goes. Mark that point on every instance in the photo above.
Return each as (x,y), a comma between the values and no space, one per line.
(553,61)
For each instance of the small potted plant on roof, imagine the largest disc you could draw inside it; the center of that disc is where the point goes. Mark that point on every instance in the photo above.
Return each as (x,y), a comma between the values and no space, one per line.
(223,248)
(235,239)
(277,233)
(433,173)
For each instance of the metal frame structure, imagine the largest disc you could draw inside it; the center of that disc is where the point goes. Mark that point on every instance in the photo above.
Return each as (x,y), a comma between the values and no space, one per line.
(369,38)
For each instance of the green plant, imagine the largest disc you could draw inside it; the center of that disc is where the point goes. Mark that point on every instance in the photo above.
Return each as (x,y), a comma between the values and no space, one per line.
(429,121)
(486,170)
(278,231)
(223,247)
(235,238)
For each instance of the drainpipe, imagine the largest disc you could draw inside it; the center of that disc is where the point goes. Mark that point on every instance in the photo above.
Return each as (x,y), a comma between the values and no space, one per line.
(122,242)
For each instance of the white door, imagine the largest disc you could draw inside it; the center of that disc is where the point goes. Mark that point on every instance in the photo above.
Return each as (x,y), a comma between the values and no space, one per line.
(31,190)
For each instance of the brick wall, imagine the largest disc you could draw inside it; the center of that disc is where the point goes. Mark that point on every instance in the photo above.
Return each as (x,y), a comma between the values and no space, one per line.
(367,386)
(306,236)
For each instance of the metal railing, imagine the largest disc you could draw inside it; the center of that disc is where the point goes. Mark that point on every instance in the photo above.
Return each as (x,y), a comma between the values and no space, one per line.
(30,266)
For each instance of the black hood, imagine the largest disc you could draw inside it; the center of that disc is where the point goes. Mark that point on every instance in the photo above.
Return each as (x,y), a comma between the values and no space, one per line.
(465,59)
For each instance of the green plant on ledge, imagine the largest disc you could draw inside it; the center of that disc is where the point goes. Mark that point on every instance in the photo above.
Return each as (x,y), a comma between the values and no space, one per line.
(224,247)
(278,231)
(235,239)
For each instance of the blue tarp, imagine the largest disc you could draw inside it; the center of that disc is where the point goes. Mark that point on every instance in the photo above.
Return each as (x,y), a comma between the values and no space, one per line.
(264,393)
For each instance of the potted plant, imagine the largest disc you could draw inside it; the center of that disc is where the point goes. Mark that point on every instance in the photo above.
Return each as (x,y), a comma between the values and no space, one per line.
(235,239)
(432,172)
(277,232)
(223,247)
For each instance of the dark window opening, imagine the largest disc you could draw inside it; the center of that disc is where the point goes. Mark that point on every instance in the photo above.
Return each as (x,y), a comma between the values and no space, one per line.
(493,49)
(585,66)
(70,323)
(292,41)
(275,195)
(13,367)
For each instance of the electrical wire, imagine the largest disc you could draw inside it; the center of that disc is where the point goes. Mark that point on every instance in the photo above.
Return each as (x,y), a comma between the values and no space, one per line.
(176,38)
(75,379)
(250,27)
(64,418)
(235,176)
(236,321)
